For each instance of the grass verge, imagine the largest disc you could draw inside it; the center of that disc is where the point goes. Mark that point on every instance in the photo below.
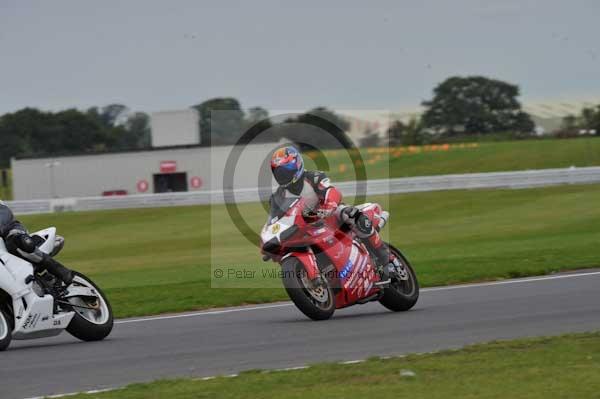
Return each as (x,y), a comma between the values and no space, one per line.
(558,367)
(153,261)
(464,158)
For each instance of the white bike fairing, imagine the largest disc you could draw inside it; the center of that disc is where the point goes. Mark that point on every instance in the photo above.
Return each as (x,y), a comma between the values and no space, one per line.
(33,314)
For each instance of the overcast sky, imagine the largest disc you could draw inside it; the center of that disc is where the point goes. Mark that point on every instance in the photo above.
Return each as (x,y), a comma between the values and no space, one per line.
(162,55)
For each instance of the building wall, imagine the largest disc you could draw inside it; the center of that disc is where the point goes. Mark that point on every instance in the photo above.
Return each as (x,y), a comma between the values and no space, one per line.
(171,128)
(81,176)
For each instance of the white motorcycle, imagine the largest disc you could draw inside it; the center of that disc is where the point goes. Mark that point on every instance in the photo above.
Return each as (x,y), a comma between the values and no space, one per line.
(35,305)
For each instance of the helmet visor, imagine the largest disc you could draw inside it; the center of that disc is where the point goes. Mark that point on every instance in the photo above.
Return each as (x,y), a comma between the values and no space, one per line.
(284,176)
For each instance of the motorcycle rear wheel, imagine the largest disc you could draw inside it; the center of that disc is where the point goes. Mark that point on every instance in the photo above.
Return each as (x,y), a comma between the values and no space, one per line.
(317,303)
(89,325)
(401,295)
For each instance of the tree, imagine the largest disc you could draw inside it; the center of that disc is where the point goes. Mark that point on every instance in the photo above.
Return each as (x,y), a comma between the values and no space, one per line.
(395,132)
(221,121)
(588,120)
(319,128)
(257,114)
(135,133)
(110,115)
(406,134)
(370,138)
(258,118)
(476,105)
(31,132)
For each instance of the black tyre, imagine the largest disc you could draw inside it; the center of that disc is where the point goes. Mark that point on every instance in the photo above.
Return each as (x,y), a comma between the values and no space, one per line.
(5,330)
(401,295)
(90,324)
(318,303)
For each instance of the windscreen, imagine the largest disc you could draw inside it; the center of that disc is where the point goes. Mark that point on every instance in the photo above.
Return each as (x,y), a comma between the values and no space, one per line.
(280,205)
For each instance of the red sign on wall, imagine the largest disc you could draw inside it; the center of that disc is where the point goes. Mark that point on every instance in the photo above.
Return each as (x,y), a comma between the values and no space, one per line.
(142,186)
(168,166)
(196,182)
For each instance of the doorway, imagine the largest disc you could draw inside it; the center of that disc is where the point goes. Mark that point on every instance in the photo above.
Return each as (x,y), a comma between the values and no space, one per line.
(170,182)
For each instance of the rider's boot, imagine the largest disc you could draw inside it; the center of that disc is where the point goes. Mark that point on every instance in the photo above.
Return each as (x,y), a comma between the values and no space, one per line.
(382,257)
(25,246)
(57,269)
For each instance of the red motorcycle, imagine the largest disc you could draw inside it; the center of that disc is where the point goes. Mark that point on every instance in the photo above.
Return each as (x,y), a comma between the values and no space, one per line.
(325,266)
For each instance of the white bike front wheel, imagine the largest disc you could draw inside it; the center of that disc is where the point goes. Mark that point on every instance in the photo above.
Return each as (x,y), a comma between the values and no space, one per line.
(5,331)
(93,320)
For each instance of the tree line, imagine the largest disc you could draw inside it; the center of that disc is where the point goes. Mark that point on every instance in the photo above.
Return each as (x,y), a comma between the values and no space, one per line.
(586,123)
(460,106)
(31,132)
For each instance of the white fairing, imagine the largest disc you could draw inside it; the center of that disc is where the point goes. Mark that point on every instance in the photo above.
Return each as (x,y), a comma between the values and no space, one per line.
(33,315)
(49,235)
(274,228)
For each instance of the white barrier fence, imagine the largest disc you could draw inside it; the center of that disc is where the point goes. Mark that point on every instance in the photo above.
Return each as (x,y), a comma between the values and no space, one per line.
(519,179)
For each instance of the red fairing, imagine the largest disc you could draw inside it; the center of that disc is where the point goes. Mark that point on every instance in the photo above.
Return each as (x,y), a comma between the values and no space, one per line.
(329,202)
(354,272)
(309,261)
(333,197)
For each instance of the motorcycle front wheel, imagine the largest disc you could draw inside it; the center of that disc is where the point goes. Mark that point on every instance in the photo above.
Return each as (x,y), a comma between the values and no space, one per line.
(401,295)
(316,302)
(5,330)
(93,319)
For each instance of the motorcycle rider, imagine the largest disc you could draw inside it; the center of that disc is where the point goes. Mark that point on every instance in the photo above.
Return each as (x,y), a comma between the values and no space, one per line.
(20,243)
(323,200)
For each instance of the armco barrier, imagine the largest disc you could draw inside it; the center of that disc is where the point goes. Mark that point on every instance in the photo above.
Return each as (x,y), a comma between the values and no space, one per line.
(519,179)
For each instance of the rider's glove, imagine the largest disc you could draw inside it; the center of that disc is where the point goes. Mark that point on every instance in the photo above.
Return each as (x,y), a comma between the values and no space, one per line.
(349,214)
(24,242)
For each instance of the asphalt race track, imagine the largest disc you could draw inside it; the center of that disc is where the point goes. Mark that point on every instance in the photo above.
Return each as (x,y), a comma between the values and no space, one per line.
(277,335)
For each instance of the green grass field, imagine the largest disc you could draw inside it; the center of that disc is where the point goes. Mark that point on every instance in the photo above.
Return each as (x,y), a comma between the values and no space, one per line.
(467,158)
(558,367)
(159,260)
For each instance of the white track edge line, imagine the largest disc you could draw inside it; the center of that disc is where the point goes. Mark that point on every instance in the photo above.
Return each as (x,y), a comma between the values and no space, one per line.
(203,313)
(511,281)
(64,395)
(280,305)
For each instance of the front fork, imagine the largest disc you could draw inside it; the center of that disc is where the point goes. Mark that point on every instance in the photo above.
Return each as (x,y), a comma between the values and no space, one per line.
(400,268)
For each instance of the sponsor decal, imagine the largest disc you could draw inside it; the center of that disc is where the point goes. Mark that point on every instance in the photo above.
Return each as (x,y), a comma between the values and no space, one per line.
(346,269)
(275,229)
(31,321)
(357,273)
(353,254)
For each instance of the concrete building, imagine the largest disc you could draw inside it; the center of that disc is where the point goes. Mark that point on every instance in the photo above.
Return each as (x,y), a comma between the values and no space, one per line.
(173,128)
(143,172)
(176,163)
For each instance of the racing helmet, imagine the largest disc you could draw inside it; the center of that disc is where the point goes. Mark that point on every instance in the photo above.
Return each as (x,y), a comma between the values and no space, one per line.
(287,165)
